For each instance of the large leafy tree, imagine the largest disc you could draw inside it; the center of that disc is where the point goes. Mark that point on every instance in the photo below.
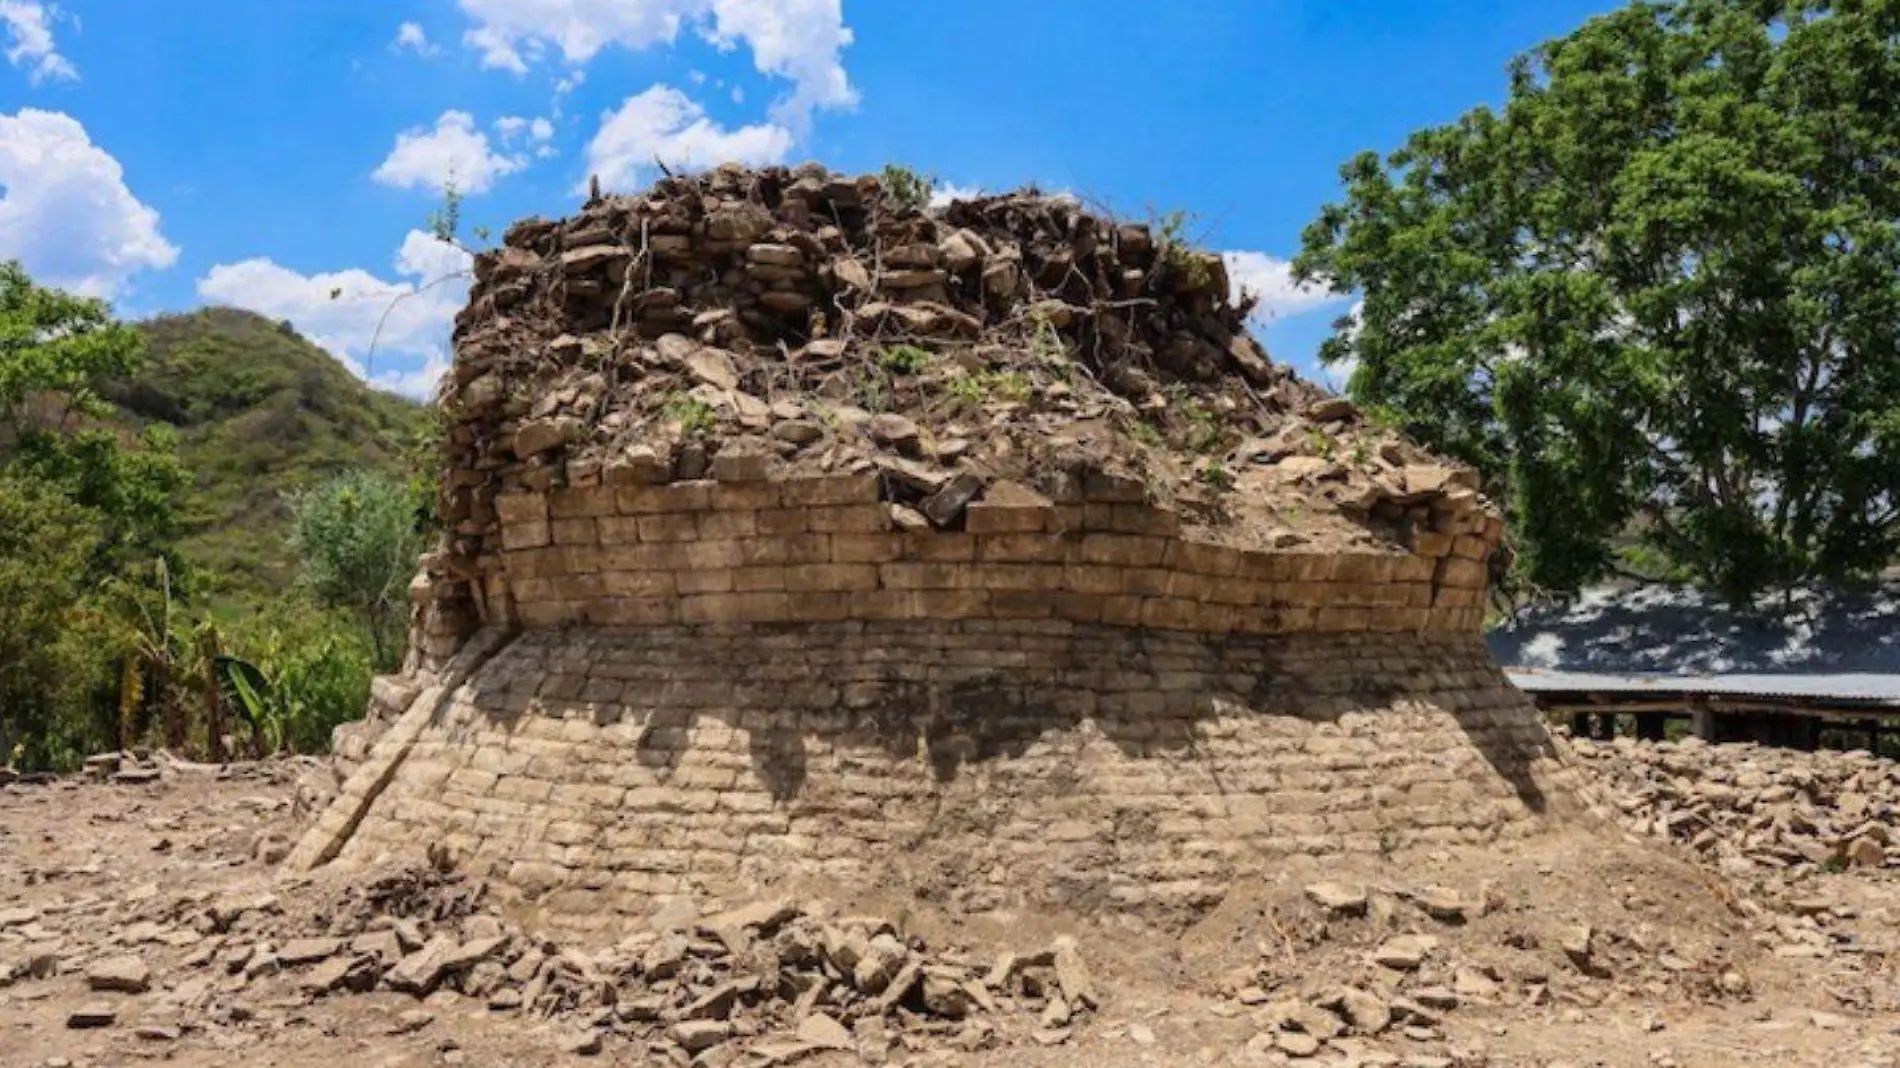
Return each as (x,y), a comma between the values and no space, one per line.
(1655,298)
(56,353)
(82,510)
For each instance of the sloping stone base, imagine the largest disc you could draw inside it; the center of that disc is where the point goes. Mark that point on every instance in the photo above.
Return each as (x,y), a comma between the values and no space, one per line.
(983,763)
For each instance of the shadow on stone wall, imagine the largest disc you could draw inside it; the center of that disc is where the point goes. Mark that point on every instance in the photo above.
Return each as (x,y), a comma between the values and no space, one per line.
(1148,693)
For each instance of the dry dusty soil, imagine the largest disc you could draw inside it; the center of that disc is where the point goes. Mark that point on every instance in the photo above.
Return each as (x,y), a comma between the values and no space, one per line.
(146,922)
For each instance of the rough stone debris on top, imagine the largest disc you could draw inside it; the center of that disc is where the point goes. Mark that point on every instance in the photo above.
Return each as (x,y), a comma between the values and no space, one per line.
(744,324)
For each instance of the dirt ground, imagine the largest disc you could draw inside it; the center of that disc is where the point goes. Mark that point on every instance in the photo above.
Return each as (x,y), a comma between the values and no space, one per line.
(1587,947)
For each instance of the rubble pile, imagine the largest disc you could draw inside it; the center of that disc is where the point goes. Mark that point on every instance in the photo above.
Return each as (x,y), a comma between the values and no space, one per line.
(774,980)
(1359,966)
(746,324)
(1754,810)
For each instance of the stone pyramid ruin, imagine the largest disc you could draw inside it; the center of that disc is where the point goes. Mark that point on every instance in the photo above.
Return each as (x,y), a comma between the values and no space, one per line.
(799,534)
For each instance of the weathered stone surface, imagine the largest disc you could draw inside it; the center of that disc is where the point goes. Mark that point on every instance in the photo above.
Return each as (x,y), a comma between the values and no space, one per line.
(420,972)
(1406,952)
(125,975)
(299,951)
(823,1031)
(1338,898)
(92,1015)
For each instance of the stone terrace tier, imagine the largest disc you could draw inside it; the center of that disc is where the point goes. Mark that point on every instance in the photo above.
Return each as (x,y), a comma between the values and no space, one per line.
(827,549)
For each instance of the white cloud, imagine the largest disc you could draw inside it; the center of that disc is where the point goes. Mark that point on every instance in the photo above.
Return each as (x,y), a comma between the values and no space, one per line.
(30,24)
(536,133)
(1271,279)
(801,41)
(662,122)
(511,127)
(455,150)
(942,194)
(410,35)
(340,310)
(66,212)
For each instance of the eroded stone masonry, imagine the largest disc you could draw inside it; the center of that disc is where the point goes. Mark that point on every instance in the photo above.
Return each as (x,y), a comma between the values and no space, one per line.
(743,634)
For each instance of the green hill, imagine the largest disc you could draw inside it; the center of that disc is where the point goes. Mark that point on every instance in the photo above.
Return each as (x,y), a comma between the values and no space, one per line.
(259,411)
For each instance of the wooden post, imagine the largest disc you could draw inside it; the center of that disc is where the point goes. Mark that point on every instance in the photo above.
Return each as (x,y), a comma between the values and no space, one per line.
(1705,725)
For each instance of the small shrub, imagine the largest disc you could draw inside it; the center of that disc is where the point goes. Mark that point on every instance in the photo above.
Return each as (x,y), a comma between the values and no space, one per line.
(874,391)
(1204,431)
(358,538)
(1177,249)
(1322,443)
(693,415)
(1145,433)
(986,385)
(904,360)
(906,186)
(966,388)
(1010,385)
(1215,474)
(1045,342)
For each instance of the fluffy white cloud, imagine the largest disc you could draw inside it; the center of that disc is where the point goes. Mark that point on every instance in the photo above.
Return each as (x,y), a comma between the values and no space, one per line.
(66,212)
(411,36)
(455,150)
(30,25)
(341,310)
(1271,279)
(942,194)
(512,127)
(662,122)
(802,41)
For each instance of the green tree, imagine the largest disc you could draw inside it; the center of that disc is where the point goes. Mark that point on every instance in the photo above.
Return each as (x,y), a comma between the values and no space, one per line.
(1656,298)
(81,510)
(46,542)
(358,538)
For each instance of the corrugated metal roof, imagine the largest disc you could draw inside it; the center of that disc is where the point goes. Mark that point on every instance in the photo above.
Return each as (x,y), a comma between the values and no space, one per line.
(1644,631)
(1881,689)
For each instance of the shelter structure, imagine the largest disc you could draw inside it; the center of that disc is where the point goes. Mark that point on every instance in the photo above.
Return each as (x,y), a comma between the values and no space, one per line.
(1814,666)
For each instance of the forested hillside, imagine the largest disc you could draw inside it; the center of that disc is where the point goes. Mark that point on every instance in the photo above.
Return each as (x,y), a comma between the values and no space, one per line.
(259,411)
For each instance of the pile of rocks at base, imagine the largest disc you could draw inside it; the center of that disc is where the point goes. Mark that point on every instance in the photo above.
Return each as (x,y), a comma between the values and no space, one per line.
(745,324)
(772,982)
(1372,972)
(1750,809)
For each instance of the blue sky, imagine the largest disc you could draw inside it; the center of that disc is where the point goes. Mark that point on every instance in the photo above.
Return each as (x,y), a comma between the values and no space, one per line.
(268,153)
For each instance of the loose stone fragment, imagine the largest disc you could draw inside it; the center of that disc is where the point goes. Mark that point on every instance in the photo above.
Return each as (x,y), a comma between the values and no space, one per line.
(125,975)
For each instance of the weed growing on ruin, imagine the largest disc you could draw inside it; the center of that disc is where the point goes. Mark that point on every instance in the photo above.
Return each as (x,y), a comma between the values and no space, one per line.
(1322,443)
(693,415)
(1145,433)
(1045,341)
(1011,386)
(908,187)
(1215,474)
(1360,454)
(975,388)
(445,222)
(966,388)
(904,360)
(873,391)
(1204,431)
(1177,249)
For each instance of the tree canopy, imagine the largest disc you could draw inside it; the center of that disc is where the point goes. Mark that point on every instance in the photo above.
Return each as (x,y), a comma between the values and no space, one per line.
(1655,298)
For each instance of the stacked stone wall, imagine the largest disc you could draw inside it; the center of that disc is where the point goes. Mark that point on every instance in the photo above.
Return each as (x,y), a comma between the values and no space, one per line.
(980,762)
(826,549)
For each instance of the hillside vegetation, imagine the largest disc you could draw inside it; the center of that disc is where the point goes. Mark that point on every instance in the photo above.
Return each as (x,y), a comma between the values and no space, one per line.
(259,411)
